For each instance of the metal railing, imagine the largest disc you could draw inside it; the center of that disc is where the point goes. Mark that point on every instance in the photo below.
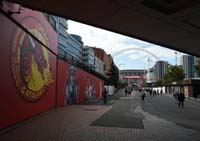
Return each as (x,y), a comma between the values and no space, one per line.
(62,54)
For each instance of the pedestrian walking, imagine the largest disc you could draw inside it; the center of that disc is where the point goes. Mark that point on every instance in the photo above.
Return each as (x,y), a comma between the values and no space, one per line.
(129,92)
(161,91)
(150,92)
(105,96)
(125,91)
(176,97)
(157,92)
(154,93)
(181,99)
(142,95)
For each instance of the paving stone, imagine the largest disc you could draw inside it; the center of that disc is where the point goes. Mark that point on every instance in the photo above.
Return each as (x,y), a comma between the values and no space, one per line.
(72,123)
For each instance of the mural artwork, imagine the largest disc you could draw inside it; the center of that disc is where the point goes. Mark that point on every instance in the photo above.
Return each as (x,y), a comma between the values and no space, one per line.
(71,89)
(90,90)
(30,61)
(76,86)
(34,80)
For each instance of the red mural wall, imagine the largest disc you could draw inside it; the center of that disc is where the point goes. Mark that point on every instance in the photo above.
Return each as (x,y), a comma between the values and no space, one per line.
(28,69)
(76,85)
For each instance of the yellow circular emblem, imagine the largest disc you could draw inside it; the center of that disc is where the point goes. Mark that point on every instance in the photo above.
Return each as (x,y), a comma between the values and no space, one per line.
(30,60)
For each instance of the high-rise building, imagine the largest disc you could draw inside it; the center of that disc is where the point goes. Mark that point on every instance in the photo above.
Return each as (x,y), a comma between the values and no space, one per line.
(188,65)
(106,58)
(69,45)
(74,46)
(99,65)
(197,62)
(160,68)
(88,55)
(151,75)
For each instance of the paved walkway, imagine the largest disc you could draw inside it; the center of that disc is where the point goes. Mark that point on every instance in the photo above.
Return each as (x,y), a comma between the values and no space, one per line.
(124,120)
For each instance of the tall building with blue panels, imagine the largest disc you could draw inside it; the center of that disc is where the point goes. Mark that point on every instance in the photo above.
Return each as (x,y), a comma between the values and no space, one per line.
(160,68)
(197,62)
(88,55)
(70,45)
(188,65)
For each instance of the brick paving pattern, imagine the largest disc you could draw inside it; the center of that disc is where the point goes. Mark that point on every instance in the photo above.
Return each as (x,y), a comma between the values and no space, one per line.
(72,123)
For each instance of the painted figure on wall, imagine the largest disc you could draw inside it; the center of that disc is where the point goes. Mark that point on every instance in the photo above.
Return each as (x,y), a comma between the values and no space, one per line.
(71,89)
(90,90)
(30,61)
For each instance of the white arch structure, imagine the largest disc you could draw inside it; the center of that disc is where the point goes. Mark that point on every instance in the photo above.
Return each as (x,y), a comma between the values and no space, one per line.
(138,49)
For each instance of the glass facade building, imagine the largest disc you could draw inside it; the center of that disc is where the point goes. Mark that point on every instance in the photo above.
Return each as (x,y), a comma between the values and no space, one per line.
(88,55)
(160,68)
(99,65)
(188,65)
(68,44)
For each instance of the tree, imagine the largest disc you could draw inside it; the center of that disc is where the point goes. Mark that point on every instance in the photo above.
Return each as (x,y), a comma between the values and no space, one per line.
(173,74)
(159,83)
(113,74)
(122,84)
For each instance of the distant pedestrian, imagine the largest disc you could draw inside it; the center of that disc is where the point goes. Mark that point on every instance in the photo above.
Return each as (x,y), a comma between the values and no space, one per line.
(176,97)
(157,92)
(181,99)
(142,95)
(150,92)
(125,91)
(161,92)
(154,93)
(129,92)
(105,96)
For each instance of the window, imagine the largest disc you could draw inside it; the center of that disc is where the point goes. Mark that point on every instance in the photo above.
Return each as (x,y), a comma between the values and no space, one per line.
(62,37)
(62,27)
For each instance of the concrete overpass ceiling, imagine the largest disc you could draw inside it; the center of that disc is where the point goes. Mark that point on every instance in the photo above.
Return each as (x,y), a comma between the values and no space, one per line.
(173,24)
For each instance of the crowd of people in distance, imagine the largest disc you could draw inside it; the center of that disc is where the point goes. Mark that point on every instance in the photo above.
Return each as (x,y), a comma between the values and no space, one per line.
(128,91)
(179,96)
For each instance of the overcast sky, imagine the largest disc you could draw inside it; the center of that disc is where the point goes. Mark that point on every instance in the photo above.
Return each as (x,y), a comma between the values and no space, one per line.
(114,42)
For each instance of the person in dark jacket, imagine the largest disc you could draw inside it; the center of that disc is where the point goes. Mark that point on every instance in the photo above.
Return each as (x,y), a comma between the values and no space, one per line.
(181,99)
(154,92)
(176,94)
(126,91)
(150,92)
(142,95)
(105,96)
